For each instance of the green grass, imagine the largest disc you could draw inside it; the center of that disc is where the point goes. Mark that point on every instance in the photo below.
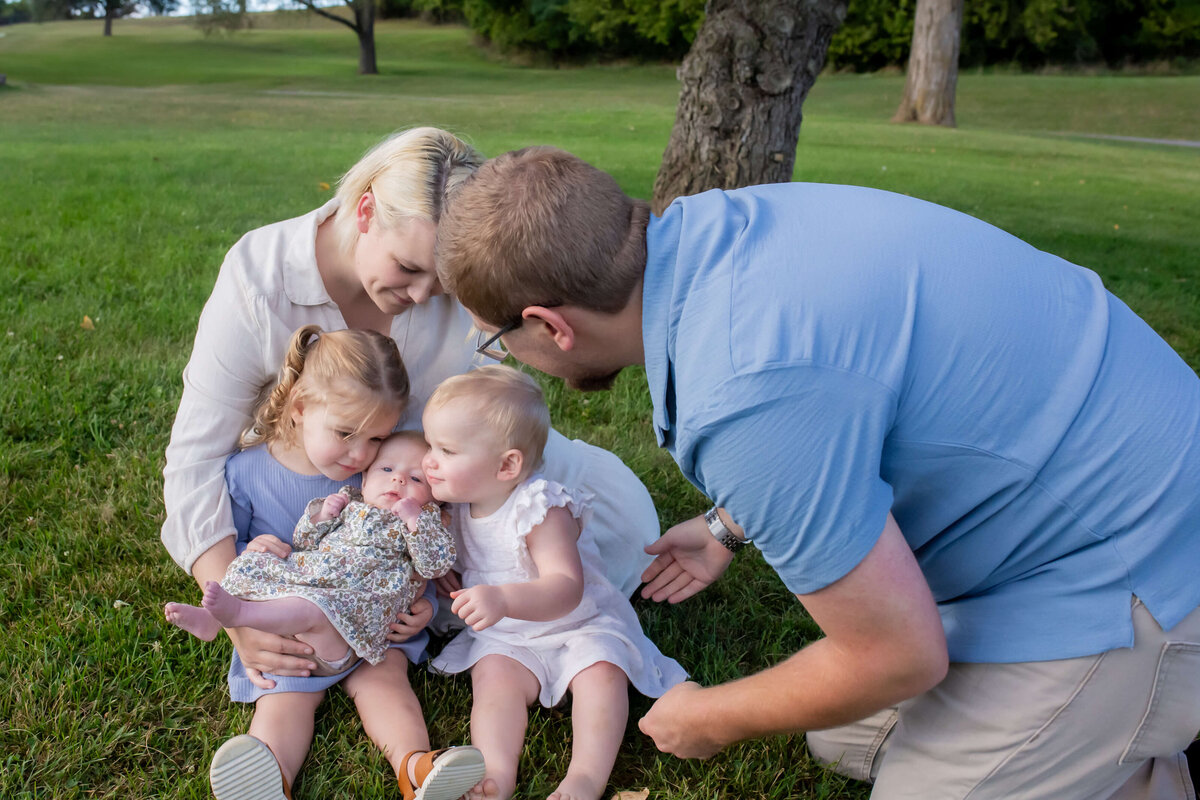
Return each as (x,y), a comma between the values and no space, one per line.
(129,165)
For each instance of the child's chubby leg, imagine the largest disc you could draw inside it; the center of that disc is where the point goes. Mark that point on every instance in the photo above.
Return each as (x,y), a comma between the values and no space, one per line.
(599,711)
(390,712)
(391,716)
(503,691)
(284,722)
(286,616)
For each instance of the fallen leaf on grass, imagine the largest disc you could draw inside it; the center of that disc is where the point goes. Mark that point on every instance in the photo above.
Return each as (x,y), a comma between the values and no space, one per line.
(87,323)
(639,795)
(323,186)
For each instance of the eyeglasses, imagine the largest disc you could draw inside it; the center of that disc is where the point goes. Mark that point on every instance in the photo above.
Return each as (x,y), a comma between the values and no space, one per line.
(492,347)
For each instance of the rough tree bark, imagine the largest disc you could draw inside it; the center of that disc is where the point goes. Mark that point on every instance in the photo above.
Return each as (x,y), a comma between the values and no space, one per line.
(363,27)
(932,64)
(743,83)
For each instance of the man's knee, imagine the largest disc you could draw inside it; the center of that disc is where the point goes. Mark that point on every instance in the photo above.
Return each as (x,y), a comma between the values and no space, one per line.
(854,750)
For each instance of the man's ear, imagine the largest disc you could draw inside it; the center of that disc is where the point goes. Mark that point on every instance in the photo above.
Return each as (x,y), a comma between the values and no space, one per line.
(511,463)
(556,324)
(365,211)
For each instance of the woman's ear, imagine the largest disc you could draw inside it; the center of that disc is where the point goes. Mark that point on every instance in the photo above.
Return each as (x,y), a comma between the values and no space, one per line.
(365,211)
(554,322)
(511,463)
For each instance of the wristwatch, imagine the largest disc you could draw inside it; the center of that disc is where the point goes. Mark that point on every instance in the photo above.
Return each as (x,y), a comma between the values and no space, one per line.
(721,533)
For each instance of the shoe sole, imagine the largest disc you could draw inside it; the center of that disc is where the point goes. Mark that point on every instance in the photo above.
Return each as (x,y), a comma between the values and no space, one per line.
(452,775)
(245,769)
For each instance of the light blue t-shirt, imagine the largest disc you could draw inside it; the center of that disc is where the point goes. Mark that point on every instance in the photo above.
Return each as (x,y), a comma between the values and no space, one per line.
(818,355)
(270,498)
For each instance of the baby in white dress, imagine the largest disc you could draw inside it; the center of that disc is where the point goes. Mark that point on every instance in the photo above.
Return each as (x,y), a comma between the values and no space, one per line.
(542,618)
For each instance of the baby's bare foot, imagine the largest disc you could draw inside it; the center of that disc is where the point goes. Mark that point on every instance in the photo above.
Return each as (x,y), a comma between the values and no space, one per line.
(196,621)
(486,789)
(223,606)
(578,787)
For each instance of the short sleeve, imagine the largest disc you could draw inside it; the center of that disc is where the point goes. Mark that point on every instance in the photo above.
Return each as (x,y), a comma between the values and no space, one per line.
(795,459)
(534,500)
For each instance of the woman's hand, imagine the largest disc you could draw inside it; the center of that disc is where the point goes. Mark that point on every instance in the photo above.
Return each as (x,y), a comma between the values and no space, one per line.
(409,625)
(480,606)
(688,559)
(269,543)
(266,652)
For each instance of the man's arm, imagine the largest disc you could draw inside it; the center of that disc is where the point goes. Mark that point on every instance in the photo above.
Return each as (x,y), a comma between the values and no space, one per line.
(883,644)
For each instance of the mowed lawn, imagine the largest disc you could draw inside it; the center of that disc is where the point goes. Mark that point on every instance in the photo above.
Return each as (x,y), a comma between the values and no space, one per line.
(130,164)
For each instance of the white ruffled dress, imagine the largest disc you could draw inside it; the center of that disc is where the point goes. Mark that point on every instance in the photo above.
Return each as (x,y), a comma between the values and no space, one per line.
(603,627)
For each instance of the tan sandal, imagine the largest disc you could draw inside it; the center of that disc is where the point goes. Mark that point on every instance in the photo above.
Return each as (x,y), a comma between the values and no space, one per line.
(244,768)
(441,774)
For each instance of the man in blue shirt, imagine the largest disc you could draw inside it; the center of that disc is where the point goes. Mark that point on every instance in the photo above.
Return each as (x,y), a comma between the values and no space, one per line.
(977,469)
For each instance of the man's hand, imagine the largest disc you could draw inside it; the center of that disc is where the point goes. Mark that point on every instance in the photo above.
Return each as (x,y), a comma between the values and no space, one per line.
(409,625)
(676,724)
(688,559)
(265,652)
(270,543)
(480,606)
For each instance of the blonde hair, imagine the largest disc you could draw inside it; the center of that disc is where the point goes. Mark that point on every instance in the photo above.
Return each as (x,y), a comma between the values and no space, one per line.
(353,369)
(510,404)
(411,173)
(541,227)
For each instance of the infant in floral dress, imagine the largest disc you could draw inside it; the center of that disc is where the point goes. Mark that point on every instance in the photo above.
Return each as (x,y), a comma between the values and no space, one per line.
(355,562)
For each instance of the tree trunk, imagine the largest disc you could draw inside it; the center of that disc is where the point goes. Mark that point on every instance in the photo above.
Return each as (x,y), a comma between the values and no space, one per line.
(364,12)
(932,64)
(109,13)
(743,83)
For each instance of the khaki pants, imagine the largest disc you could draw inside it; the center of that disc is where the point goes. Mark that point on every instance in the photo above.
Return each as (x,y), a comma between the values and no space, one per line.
(1093,728)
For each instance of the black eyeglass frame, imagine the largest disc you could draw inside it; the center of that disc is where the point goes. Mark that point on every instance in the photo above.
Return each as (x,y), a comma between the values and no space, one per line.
(497,354)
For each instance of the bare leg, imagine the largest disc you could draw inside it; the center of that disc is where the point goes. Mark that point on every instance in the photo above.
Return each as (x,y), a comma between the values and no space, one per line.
(599,711)
(284,721)
(503,689)
(193,619)
(286,616)
(390,712)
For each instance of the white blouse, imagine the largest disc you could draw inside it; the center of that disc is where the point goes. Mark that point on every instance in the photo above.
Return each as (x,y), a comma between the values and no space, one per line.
(269,286)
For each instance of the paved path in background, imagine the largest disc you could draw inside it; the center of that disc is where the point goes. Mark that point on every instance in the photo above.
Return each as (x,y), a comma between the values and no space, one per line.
(1138,139)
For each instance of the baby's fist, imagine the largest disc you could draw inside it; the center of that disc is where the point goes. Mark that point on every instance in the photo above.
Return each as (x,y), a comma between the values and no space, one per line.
(408,510)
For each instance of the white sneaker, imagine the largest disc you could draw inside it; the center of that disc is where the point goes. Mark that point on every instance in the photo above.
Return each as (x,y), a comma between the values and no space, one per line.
(244,768)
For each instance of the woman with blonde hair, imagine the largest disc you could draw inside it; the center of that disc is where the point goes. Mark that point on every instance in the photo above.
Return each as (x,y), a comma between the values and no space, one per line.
(363,260)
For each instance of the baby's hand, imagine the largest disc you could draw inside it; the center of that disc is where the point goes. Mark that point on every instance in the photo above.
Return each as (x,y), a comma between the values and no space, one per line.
(269,543)
(332,506)
(408,510)
(480,606)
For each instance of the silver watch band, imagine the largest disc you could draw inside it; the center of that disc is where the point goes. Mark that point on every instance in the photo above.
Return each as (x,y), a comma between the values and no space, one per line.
(721,533)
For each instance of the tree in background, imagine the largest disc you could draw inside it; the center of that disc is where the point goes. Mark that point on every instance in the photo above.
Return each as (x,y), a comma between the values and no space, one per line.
(932,74)
(363,25)
(744,81)
(108,10)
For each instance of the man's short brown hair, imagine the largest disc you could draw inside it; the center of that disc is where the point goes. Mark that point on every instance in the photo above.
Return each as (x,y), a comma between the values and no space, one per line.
(541,227)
